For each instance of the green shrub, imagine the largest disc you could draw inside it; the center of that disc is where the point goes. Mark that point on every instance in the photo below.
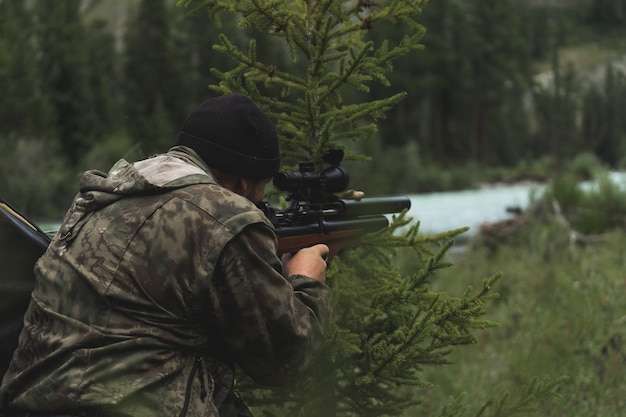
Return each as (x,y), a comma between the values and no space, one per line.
(584,165)
(590,208)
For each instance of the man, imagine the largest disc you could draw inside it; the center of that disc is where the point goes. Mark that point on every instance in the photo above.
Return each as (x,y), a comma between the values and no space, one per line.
(163,276)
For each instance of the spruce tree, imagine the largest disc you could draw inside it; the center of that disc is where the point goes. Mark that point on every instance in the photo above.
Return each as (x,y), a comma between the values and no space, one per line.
(388,325)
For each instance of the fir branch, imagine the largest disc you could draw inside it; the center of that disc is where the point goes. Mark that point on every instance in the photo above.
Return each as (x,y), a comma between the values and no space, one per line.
(252,69)
(264,14)
(526,401)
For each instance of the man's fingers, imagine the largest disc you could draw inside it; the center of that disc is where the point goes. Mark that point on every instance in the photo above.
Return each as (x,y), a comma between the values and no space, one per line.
(357,195)
(323,250)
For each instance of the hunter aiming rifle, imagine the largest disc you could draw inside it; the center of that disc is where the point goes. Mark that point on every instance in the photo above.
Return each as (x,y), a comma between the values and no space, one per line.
(316,215)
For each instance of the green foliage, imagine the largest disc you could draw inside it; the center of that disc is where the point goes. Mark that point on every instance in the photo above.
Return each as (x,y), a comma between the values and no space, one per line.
(64,68)
(153,80)
(20,83)
(561,313)
(603,125)
(387,328)
(103,155)
(585,166)
(590,208)
(32,176)
(401,169)
(524,402)
(326,43)
(388,325)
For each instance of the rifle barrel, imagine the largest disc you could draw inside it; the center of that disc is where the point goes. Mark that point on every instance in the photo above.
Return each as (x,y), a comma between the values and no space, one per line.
(375,205)
(365,224)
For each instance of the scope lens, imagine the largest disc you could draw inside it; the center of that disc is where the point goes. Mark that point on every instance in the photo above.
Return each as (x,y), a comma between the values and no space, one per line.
(330,180)
(336,179)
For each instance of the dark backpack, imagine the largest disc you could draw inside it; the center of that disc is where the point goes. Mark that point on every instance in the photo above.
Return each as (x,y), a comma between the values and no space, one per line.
(21,244)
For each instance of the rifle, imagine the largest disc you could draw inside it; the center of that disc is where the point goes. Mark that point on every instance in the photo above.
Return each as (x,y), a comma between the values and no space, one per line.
(315,215)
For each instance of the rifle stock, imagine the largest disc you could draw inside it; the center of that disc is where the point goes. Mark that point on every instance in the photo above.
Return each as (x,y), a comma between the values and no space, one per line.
(336,234)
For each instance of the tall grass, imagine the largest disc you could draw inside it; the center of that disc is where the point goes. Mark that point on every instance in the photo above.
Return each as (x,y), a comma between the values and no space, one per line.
(562,310)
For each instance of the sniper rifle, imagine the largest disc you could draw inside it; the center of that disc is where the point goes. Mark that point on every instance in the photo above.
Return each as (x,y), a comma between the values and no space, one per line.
(315,215)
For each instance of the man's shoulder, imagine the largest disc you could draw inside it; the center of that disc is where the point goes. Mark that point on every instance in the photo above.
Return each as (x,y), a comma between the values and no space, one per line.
(225,206)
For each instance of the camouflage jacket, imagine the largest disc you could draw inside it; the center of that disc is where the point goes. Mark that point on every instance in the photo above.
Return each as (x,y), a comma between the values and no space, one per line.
(157,278)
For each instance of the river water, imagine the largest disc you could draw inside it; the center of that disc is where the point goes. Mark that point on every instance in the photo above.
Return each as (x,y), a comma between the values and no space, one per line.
(441,211)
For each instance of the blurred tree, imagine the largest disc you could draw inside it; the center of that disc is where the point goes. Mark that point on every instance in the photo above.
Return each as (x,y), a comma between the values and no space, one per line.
(501,74)
(556,105)
(194,37)
(64,67)
(603,127)
(154,78)
(104,80)
(466,95)
(431,81)
(23,108)
(607,16)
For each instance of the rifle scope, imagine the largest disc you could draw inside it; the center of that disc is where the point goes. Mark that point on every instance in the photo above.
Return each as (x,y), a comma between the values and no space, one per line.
(330,180)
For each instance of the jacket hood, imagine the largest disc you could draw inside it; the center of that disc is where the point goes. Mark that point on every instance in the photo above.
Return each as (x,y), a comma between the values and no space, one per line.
(178,168)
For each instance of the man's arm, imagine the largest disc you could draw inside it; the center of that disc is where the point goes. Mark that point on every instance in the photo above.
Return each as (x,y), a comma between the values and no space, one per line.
(272,325)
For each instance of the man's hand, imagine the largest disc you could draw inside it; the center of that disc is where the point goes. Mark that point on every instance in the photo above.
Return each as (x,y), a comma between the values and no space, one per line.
(308,261)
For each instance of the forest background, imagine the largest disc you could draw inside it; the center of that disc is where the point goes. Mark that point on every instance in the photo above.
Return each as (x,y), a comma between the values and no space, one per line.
(504,91)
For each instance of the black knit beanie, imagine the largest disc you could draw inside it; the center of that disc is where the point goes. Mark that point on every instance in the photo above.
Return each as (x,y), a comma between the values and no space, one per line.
(233,135)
